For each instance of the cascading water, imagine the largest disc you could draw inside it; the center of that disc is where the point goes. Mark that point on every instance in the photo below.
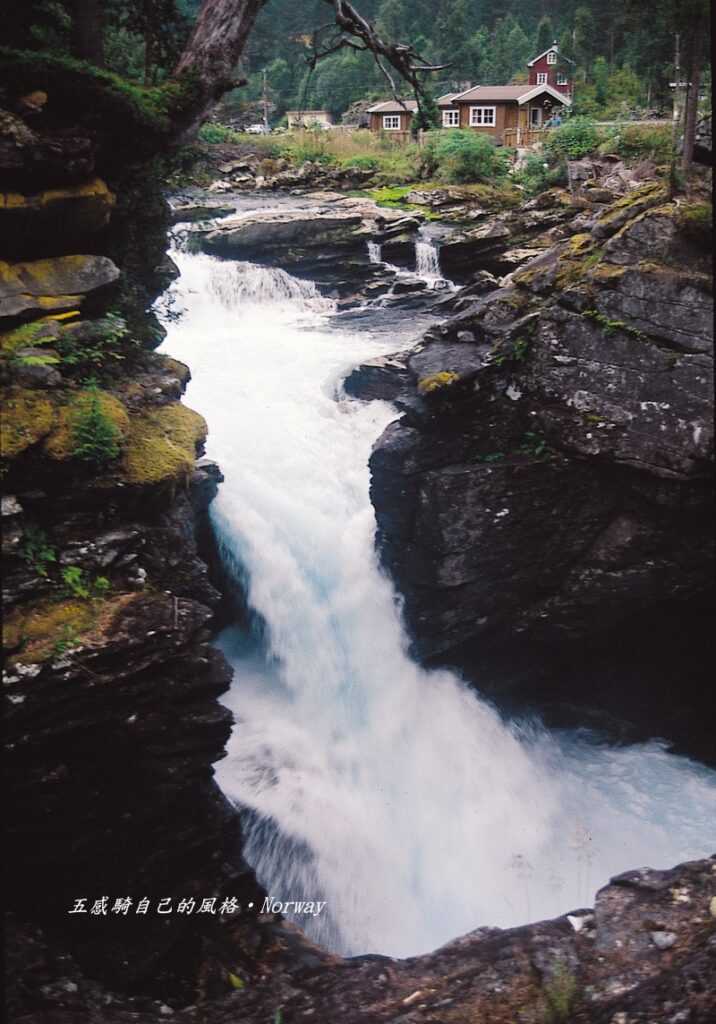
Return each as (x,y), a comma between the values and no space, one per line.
(392,793)
(375,254)
(427,261)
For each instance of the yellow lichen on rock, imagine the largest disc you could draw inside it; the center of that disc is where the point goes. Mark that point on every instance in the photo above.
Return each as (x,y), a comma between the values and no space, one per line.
(162,444)
(56,284)
(28,416)
(607,273)
(436,381)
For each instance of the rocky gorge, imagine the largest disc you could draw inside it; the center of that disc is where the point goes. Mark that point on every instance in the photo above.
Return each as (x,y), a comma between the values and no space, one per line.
(112,679)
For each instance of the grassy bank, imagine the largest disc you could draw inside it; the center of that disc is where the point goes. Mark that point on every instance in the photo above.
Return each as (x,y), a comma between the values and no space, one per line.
(455,157)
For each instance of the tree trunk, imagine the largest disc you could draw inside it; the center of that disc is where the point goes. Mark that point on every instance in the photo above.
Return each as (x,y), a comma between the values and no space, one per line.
(693,76)
(87,31)
(213,51)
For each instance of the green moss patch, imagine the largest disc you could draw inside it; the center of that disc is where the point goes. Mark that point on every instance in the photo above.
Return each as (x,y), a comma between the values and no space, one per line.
(61,443)
(50,627)
(45,629)
(93,95)
(162,444)
(27,417)
(696,221)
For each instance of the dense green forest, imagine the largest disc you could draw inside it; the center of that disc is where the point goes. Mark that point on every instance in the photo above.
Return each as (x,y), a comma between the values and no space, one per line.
(623,49)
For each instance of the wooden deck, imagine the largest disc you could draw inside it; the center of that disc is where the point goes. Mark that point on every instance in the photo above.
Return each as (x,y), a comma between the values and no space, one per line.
(522,137)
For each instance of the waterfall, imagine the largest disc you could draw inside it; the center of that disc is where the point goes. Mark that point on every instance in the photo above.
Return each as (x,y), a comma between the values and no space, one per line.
(427,261)
(374,252)
(235,285)
(390,792)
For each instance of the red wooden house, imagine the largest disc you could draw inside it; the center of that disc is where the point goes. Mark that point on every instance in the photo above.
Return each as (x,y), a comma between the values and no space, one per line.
(551,68)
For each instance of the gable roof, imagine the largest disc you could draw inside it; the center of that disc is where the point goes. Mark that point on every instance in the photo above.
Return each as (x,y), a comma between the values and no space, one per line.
(501,93)
(537,89)
(446,100)
(549,50)
(393,107)
(509,94)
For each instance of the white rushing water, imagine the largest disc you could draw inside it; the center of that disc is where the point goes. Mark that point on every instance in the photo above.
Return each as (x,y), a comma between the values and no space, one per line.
(427,262)
(392,793)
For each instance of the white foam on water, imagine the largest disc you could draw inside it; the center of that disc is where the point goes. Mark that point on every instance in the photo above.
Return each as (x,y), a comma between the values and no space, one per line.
(393,793)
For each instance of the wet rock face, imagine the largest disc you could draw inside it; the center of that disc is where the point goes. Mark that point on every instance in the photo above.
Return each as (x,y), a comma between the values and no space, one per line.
(67,216)
(645,953)
(111,682)
(113,722)
(288,234)
(550,480)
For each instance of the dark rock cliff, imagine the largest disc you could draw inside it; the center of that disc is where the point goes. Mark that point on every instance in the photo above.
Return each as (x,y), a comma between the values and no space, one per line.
(545,503)
(111,682)
(645,954)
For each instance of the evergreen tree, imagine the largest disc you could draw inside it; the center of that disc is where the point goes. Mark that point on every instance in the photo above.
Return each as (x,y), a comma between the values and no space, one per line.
(545,35)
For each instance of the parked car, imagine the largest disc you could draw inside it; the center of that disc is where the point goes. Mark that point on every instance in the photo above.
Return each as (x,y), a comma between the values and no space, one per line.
(258,129)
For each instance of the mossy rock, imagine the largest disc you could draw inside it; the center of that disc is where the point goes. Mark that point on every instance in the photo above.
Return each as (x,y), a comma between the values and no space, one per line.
(175,368)
(28,416)
(629,206)
(39,332)
(51,627)
(436,381)
(95,98)
(696,221)
(580,244)
(606,273)
(52,285)
(70,214)
(41,628)
(61,443)
(162,444)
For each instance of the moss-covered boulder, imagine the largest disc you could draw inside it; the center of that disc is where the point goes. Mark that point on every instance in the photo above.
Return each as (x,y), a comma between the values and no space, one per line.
(30,224)
(28,416)
(52,285)
(162,444)
(61,443)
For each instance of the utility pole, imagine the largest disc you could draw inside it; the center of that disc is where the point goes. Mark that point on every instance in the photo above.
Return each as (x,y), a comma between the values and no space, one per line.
(265,101)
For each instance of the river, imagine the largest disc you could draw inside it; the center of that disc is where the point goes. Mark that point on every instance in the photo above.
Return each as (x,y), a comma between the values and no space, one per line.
(393,794)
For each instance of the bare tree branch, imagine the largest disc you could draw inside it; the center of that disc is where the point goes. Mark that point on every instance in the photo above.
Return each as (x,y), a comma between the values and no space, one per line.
(219,40)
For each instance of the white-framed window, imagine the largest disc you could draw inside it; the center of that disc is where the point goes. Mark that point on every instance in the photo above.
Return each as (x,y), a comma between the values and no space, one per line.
(480,116)
(535,117)
(551,57)
(391,122)
(562,78)
(451,118)
(541,78)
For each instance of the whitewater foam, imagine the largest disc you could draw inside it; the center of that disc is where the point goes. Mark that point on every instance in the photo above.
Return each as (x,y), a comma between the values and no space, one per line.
(391,793)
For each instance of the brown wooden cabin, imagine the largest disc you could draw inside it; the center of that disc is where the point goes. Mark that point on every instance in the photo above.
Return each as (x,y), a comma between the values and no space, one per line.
(511,114)
(551,68)
(392,116)
(449,112)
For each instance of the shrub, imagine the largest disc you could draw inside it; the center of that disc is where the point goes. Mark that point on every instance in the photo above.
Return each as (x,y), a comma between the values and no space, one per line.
(462,155)
(574,139)
(95,437)
(37,551)
(78,585)
(94,344)
(361,163)
(639,142)
(311,146)
(214,133)
(537,175)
